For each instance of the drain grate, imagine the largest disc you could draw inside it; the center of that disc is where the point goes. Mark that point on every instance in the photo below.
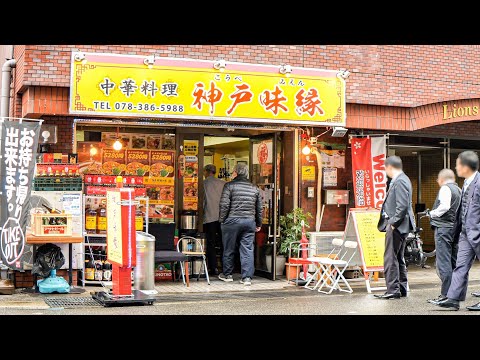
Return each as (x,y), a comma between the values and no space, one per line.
(71,302)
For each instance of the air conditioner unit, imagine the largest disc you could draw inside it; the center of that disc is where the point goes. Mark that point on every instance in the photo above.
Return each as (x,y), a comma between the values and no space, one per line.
(339,131)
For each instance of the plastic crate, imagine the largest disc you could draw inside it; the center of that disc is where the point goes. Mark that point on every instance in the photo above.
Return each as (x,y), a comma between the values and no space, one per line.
(39,229)
(55,183)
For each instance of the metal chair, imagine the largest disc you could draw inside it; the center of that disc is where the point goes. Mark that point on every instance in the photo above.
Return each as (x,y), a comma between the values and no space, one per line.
(165,248)
(193,251)
(339,266)
(321,272)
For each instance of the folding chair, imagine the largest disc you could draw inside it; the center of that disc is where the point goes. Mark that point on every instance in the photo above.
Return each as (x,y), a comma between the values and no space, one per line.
(339,267)
(194,251)
(315,260)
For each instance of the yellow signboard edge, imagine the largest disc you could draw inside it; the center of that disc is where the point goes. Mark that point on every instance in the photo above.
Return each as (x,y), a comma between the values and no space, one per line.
(201,117)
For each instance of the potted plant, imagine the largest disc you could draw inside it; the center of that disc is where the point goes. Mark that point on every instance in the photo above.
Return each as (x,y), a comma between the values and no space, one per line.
(291,231)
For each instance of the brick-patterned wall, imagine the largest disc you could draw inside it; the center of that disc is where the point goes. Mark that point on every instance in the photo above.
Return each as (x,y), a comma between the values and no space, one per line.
(64,133)
(334,217)
(392,75)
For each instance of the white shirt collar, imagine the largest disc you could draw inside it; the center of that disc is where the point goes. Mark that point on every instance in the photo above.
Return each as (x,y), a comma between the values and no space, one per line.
(396,175)
(470,179)
(448,182)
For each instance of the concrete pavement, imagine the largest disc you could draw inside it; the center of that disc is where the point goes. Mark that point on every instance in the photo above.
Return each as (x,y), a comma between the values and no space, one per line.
(273,298)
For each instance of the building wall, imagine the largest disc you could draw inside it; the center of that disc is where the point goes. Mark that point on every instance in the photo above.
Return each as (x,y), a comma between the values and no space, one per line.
(391,75)
(334,217)
(390,87)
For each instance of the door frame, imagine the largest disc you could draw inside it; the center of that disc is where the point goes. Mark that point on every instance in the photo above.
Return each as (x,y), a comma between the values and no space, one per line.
(274,136)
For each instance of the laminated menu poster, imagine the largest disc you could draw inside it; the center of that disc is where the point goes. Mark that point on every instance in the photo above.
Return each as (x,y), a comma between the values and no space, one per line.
(160,184)
(89,157)
(113,162)
(162,163)
(329,177)
(190,176)
(362,227)
(138,162)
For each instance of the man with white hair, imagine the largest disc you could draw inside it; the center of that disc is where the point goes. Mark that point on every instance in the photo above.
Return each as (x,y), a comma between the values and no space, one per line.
(240,217)
(442,219)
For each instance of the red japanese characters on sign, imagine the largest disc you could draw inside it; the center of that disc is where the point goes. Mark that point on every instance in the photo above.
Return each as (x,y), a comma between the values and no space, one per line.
(211,96)
(309,103)
(241,95)
(272,100)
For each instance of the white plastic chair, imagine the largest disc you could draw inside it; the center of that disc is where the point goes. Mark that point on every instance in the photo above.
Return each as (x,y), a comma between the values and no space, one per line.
(337,248)
(339,266)
(197,252)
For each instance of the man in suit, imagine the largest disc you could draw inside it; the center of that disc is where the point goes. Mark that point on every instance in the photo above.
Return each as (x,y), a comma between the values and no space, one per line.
(442,219)
(396,220)
(467,232)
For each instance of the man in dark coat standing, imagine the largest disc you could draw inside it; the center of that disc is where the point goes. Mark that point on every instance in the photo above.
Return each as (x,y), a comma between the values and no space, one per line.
(396,220)
(467,231)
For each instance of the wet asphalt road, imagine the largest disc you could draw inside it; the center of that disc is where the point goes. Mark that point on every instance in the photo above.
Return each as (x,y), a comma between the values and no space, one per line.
(292,302)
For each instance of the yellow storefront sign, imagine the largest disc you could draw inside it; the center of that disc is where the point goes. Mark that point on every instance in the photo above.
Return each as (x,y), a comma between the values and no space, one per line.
(103,84)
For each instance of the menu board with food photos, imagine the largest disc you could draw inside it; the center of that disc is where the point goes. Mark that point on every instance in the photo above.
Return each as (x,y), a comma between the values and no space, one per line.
(140,141)
(138,162)
(190,175)
(153,170)
(113,162)
(160,184)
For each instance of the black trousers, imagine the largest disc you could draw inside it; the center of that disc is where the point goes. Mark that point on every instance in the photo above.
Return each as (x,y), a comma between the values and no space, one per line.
(446,256)
(241,231)
(394,262)
(213,234)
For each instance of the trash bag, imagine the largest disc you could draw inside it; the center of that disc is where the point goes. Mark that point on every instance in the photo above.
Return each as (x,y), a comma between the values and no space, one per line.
(48,257)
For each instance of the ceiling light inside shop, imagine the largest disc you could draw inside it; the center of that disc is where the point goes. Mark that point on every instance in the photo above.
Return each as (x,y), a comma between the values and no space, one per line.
(93,151)
(117,145)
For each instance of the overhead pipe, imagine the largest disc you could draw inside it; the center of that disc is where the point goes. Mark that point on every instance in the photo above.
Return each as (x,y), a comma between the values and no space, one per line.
(5,91)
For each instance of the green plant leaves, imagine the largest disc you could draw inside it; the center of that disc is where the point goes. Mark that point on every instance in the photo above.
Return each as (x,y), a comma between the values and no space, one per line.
(291,228)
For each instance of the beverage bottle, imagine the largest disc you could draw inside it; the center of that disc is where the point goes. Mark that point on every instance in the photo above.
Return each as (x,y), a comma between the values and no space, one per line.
(102,218)
(89,270)
(91,221)
(107,271)
(98,267)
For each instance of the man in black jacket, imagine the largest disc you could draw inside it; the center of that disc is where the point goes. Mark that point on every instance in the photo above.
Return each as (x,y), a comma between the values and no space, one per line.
(240,217)
(396,220)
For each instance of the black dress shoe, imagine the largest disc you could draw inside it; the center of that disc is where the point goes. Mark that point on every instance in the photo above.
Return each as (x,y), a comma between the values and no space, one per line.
(403,294)
(476,294)
(435,301)
(475,307)
(449,304)
(388,296)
